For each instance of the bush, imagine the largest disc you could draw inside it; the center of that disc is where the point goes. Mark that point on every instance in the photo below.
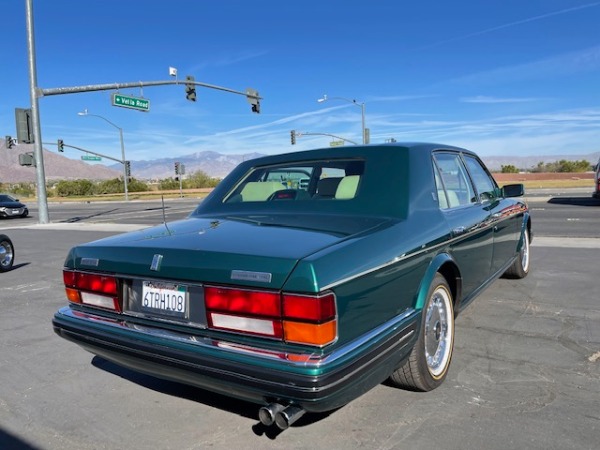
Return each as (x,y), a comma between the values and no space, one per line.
(200,179)
(563,166)
(135,185)
(19,189)
(168,184)
(70,188)
(80,188)
(509,169)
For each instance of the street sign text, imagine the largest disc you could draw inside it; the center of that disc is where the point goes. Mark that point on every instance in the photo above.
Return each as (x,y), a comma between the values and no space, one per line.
(127,101)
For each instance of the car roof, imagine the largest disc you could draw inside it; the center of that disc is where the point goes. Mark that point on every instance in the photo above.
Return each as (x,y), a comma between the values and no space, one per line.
(353,151)
(398,177)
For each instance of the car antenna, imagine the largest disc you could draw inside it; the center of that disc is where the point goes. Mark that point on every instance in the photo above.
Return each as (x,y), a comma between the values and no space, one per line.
(162,198)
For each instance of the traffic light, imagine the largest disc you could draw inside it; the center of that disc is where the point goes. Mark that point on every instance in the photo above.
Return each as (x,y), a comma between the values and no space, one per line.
(128,168)
(177,168)
(9,142)
(190,89)
(24,125)
(253,99)
(61,145)
(293,136)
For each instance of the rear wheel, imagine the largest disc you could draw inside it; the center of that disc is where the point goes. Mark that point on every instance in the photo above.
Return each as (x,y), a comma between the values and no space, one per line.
(520,267)
(7,253)
(427,366)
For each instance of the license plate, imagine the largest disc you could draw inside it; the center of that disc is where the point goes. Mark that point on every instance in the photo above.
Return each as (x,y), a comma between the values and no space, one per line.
(165,298)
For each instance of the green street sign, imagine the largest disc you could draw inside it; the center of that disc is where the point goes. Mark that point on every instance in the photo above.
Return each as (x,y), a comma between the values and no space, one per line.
(127,101)
(336,143)
(91,158)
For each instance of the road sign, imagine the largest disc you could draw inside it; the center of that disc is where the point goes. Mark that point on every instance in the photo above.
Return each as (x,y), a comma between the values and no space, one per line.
(91,158)
(127,101)
(336,143)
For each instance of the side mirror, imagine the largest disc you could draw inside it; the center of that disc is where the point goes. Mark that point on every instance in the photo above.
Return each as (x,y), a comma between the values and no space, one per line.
(513,190)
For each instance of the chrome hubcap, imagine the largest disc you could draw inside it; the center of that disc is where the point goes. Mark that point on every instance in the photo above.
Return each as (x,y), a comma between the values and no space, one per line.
(438,332)
(525,252)
(6,254)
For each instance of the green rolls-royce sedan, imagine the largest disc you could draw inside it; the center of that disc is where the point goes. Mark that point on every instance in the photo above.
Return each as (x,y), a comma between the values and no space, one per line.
(304,279)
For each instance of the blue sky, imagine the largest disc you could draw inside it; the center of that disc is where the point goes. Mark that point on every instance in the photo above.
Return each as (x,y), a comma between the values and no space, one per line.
(510,77)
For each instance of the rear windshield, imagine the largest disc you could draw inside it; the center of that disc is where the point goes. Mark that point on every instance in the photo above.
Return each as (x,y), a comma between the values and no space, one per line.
(336,180)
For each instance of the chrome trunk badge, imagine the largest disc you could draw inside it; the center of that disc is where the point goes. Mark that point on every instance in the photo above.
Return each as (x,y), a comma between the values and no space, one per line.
(244,275)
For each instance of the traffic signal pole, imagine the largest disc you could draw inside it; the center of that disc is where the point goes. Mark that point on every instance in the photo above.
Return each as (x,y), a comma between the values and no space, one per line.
(37,92)
(250,94)
(35,118)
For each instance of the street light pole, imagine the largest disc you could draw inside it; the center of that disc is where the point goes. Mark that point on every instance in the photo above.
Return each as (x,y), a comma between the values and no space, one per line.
(85,113)
(354,102)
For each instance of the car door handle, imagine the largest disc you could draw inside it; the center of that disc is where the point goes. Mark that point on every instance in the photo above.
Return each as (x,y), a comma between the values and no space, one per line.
(458,231)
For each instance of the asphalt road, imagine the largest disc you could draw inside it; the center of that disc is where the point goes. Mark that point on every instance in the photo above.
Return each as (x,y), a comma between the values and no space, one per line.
(525,373)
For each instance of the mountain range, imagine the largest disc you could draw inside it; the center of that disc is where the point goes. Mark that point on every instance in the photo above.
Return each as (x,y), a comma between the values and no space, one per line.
(213,164)
(217,165)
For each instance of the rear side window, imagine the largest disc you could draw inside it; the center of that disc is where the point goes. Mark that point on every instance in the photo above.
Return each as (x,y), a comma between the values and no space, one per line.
(452,182)
(484,183)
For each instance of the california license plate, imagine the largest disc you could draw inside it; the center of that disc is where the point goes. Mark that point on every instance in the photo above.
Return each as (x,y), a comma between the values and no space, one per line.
(165,298)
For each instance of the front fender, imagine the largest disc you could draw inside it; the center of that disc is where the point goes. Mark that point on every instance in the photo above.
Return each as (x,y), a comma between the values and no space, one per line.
(525,227)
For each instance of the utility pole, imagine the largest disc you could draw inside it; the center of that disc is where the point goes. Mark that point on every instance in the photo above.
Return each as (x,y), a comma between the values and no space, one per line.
(35,118)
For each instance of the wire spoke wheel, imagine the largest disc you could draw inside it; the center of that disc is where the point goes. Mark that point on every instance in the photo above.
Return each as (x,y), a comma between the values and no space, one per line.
(7,253)
(438,332)
(525,253)
(427,365)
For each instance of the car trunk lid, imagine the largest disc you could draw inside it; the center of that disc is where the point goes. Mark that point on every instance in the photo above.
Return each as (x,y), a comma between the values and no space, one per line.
(246,250)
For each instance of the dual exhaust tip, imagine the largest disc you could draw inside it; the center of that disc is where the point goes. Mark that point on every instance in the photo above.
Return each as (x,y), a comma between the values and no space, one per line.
(280,415)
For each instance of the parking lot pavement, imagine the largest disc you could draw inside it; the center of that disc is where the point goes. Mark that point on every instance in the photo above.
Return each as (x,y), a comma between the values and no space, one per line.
(525,374)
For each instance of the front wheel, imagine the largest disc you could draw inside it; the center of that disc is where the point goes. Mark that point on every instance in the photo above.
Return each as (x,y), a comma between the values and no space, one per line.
(428,363)
(7,253)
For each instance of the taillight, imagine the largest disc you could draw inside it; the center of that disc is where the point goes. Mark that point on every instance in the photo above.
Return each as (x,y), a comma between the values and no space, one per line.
(309,319)
(302,319)
(256,303)
(92,289)
(303,307)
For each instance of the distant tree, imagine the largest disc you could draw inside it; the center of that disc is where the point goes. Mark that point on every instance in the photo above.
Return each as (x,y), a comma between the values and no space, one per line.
(538,168)
(135,185)
(573,166)
(563,166)
(200,179)
(69,188)
(509,168)
(168,184)
(22,189)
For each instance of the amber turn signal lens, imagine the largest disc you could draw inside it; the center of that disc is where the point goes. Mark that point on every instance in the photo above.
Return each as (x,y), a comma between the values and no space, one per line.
(73,295)
(310,333)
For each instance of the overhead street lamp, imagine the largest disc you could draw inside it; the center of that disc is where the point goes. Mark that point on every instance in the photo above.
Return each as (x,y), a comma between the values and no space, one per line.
(354,102)
(125,174)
